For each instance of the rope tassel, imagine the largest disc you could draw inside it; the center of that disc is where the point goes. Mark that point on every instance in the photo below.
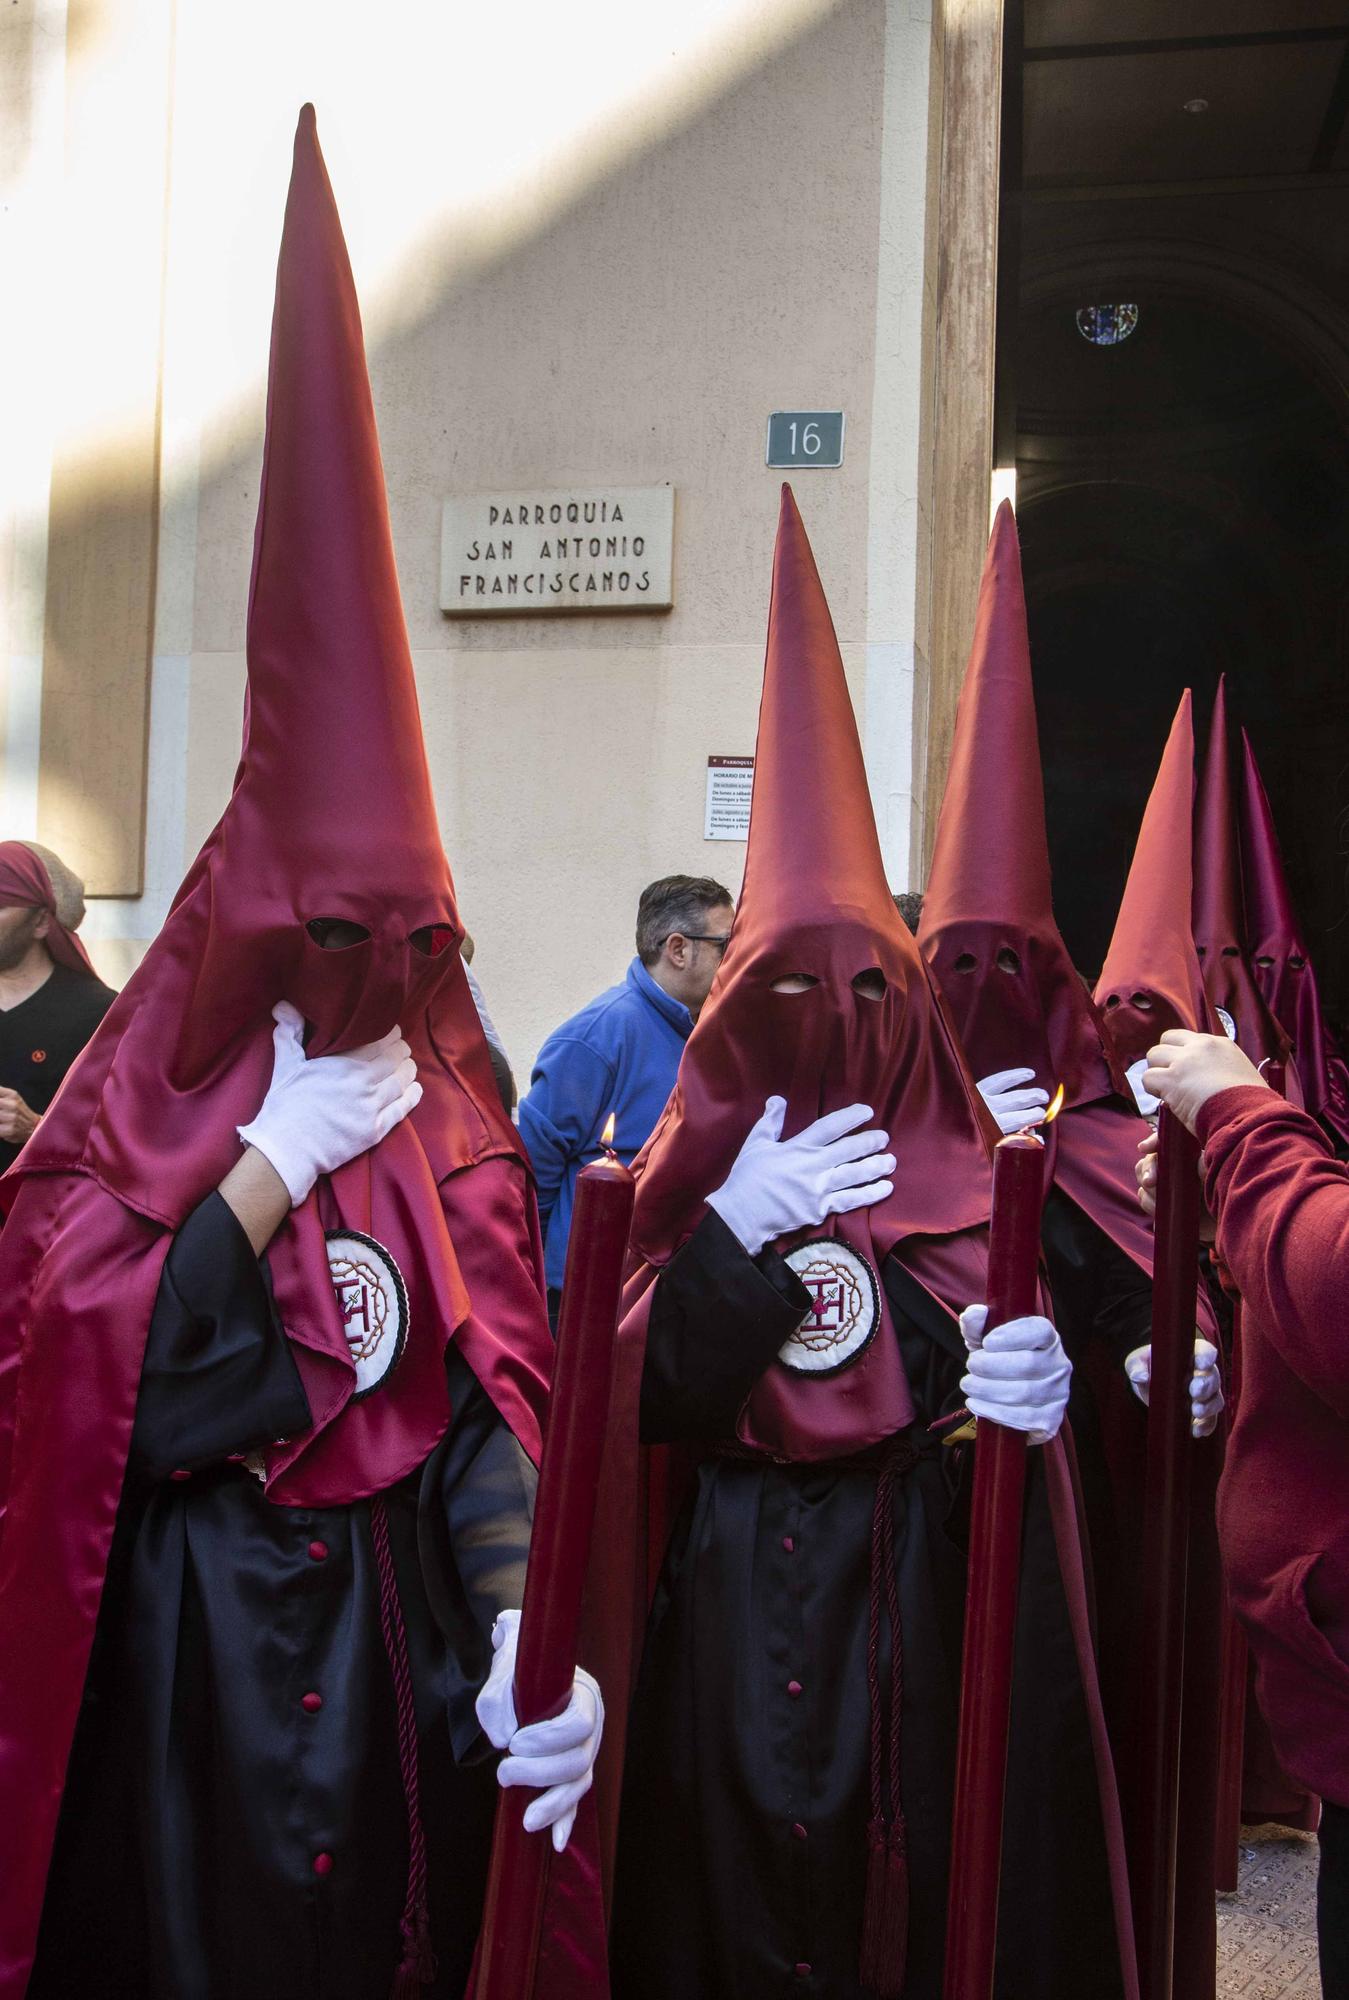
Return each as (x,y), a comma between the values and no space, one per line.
(417,1966)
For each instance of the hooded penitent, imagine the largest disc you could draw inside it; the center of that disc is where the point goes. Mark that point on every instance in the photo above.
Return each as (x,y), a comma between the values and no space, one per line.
(331,816)
(868,1029)
(1151,979)
(1219,928)
(988,929)
(815,902)
(1280,964)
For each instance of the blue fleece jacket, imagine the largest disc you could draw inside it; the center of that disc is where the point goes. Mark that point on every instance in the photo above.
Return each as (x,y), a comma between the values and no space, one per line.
(619,1054)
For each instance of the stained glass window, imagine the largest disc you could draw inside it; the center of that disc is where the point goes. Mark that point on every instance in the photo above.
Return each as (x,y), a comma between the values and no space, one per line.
(1106,326)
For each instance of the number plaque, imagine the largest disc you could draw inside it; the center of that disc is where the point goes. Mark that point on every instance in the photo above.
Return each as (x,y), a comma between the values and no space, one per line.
(810,438)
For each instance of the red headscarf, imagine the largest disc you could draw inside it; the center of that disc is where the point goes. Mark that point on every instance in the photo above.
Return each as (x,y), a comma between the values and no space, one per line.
(1219,927)
(1151,980)
(26,884)
(1281,967)
(988,928)
(815,901)
(331,816)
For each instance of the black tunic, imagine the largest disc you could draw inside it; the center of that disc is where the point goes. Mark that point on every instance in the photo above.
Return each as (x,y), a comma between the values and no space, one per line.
(41,1037)
(742,1852)
(238,1726)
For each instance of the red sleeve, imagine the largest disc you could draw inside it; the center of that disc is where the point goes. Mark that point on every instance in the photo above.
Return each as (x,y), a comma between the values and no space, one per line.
(1282,1203)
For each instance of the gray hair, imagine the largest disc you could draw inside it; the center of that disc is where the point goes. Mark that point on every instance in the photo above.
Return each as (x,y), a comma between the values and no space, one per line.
(675,903)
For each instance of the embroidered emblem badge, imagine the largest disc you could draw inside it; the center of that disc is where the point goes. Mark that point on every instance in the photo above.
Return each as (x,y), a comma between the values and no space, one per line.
(373,1302)
(845,1312)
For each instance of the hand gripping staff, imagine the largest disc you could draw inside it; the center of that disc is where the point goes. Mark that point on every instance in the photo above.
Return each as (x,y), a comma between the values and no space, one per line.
(564,1518)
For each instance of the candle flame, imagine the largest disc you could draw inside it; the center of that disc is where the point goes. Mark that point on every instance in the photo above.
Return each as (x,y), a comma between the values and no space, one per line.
(611,1126)
(1055,1106)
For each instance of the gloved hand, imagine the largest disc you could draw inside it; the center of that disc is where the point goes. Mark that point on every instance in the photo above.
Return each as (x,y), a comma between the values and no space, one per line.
(1206,1387)
(318,1115)
(556,1757)
(1012,1106)
(1018,1373)
(778,1185)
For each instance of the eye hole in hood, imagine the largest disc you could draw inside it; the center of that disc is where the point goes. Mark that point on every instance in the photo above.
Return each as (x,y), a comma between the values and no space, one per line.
(795,982)
(431,940)
(870,985)
(337,933)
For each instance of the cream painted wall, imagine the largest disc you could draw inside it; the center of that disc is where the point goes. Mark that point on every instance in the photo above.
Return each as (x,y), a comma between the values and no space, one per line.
(714,210)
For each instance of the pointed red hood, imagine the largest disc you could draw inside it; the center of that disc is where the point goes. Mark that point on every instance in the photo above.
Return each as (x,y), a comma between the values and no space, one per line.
(1280,963)
(1151,980)
(1219,928)
(331,816)
(988,928)
(816,902)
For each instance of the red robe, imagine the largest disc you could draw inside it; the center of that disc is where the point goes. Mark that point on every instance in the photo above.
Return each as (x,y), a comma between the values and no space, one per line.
(1282,1203)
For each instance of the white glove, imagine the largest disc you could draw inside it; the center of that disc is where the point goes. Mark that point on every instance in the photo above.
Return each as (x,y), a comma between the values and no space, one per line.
(1206,1386)
(1018,1373)
(778,1185)
(318,1115)
(1014,1108)
(556,1757)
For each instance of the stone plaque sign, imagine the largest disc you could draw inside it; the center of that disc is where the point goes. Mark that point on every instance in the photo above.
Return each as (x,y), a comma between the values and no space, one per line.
(605,548)
(730,786)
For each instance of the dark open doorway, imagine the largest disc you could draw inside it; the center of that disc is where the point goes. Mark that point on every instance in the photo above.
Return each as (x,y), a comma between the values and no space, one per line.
(1183,492)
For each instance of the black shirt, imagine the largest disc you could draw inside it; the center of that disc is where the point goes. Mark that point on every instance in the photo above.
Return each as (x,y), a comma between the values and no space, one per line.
(41,1037)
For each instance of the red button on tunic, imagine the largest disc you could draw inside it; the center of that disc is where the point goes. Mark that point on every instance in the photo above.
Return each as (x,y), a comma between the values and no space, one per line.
(793,1689)
(798,1831)
(789,1544)
(803,1971)
(318,1552)
(180,1472)
(323,1864)
(312,1702)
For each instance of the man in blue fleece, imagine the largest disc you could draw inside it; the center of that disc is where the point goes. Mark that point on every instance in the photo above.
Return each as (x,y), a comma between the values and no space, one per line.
(621,1053)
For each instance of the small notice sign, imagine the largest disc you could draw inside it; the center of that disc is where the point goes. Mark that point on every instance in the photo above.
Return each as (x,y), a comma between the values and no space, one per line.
(608,548)
(805,438)
(730,782)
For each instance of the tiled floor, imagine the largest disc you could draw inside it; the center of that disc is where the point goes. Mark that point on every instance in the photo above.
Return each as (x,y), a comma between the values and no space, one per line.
(1267,1930)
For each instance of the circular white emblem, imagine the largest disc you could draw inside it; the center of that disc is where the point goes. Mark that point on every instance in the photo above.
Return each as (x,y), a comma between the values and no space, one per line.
(1229,1025)
(373,1303)
(845,1309)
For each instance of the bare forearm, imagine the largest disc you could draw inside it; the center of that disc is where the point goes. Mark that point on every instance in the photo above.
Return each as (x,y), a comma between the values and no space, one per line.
(258,1196)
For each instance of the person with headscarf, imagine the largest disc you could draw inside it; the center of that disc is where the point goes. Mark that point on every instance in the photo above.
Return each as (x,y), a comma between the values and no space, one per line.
(51,999)
(273,1347)
(811,1225)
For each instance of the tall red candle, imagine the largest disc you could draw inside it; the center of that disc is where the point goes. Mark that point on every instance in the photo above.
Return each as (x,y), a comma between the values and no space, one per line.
(1235,1653)
(1165,1538)
(991,1594)
(564,1519)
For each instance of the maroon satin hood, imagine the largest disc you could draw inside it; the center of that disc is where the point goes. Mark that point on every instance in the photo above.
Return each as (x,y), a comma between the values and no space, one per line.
(988,928)
(815,901)
(1219,926)
(1280,963)
(331,816)
(1151,980)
